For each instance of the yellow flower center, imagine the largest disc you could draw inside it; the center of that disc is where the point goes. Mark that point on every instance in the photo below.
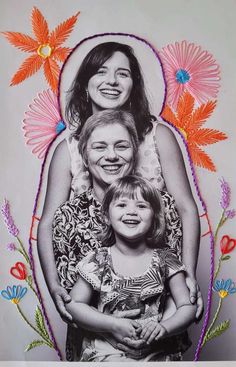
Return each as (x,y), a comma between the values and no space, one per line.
(223,293)
(15,301)
(44,51)
(183,132)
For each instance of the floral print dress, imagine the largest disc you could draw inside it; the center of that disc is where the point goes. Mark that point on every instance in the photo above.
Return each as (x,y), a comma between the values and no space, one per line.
(116,292)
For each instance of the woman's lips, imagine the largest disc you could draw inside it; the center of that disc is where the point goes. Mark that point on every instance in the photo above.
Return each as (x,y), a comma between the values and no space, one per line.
(110,93)
(112,168)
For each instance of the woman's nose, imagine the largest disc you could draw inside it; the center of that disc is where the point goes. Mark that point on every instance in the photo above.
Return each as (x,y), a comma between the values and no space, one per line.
(111,78)
(111,154)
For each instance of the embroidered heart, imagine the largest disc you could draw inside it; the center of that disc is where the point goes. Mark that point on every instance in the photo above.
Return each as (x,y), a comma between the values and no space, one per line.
(227,244)
(18,271)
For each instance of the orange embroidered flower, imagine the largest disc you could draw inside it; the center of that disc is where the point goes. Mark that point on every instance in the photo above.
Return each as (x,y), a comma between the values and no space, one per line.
(45,48)
(189,121)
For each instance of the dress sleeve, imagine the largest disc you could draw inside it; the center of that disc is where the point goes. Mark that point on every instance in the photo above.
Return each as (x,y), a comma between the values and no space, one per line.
(91,268)
(173,233)
(172,264)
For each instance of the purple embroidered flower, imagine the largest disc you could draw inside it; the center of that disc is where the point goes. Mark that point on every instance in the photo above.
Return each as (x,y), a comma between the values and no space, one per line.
(11,247)
(12,229)
(225,194)
(230,213)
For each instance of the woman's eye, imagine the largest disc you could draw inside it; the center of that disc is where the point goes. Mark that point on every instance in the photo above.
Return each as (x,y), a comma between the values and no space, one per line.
(122,147)
(101,71)
(123,74)
(99,148)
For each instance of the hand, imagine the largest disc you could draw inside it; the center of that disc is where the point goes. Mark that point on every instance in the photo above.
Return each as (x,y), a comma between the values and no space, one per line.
(124,328)
(60,297)
(195,296)
(152,330)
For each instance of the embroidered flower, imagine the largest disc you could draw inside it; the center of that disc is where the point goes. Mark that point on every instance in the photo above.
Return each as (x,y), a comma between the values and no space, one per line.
(189,121)
(42,122)
(227,244)
(46,48)
(19,271)
(12,229)
(11,247)
(225,194)
(230,214)
(224,287)
(14,293)
(189,68)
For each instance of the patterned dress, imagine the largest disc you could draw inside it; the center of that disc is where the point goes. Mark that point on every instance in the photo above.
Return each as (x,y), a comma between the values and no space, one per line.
(116,292)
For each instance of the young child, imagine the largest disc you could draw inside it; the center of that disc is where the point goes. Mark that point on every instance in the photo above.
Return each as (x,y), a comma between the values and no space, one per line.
(131,271)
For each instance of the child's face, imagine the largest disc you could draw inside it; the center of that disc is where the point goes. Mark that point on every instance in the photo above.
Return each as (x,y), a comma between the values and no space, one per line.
(131,218)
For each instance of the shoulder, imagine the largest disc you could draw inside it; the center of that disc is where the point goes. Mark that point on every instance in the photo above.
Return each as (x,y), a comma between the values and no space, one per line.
(61,156)
(163,132)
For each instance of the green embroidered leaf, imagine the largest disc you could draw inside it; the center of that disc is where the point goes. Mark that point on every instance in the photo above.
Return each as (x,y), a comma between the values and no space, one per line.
(225,258)
(29,280)
(33,344)
(40,323)
(222,327)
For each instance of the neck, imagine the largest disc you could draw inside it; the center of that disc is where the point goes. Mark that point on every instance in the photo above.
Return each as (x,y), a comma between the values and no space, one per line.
(99,191)
(131,248)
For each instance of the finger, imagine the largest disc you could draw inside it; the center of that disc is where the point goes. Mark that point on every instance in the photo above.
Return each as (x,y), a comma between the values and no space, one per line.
(128,313)
(153,335)
(148,326)
(148,332)
(135,324)
(193,293)
(200,307)
(62,310)
(66,297)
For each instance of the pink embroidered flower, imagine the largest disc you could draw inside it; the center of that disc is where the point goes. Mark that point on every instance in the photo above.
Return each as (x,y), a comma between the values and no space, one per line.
(11,227)
(42,122)
(188,68)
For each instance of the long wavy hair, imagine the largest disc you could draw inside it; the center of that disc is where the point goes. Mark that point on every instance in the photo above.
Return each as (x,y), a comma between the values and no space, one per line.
(79,107)
(129,186)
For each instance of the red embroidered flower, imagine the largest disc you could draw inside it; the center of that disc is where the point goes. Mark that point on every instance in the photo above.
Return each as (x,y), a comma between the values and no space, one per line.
(19,271)
(227,244)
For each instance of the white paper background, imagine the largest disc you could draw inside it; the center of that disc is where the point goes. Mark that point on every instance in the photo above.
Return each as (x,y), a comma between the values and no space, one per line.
(208,23)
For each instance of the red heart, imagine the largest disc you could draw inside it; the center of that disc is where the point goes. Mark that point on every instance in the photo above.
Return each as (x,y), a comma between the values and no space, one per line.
(227,244)
(18,271)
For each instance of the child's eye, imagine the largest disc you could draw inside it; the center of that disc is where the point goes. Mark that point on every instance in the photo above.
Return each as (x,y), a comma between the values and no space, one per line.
(142,206)
(120,205)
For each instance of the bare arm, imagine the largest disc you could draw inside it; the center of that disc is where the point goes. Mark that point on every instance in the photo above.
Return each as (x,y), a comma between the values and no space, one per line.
(182,318)
(58,188)
(178,186)
(93,320)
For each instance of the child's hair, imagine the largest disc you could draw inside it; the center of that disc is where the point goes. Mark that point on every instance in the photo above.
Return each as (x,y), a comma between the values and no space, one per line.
(105,118)
(129,186)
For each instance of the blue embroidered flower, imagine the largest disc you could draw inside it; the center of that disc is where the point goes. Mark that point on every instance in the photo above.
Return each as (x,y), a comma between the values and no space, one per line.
(224,287)
(182,76)
(60,126)
(14,293)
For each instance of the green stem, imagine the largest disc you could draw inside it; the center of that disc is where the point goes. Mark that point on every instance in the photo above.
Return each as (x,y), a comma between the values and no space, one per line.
(22,253)
(32,288)
(32,327)
(23,250)
(218,268)
(212,323)
(220,223)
